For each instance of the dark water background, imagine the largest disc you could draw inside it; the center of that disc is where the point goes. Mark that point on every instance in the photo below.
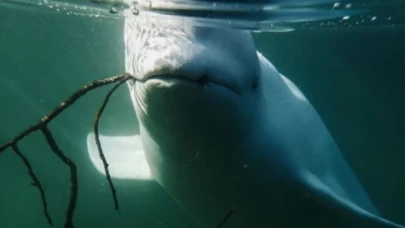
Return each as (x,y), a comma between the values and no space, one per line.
(354,79)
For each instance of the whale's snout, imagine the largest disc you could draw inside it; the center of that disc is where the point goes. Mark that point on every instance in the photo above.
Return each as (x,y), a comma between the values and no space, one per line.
(184,75)
(197,66)
(200,57)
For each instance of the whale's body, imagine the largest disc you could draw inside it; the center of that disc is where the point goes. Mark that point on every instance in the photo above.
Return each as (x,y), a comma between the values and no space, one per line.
(221,128)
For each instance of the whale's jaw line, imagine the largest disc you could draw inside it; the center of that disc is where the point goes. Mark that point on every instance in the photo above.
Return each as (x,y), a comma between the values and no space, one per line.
(202,82)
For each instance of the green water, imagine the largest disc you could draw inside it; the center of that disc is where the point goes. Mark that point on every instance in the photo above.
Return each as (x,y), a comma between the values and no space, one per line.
(354,79)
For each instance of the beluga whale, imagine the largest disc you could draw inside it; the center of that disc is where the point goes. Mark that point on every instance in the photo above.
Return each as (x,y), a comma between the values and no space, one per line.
(221,129)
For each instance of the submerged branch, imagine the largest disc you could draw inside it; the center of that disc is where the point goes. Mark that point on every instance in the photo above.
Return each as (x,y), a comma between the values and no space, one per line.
(73,175)
(226,217)
(43,126)
(36,182)
(100,150)
(62,106)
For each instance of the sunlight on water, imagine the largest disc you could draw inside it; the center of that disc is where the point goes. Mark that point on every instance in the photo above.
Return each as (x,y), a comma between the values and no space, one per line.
(275,17)
(87,10)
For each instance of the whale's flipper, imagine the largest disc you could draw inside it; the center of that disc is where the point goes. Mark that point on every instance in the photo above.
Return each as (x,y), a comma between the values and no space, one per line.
(124,154)
(344,208)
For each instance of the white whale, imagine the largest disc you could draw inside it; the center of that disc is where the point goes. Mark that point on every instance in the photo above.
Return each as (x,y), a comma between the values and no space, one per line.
(221,128)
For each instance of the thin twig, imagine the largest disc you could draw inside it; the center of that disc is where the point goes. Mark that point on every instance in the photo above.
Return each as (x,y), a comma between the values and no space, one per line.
(194,159)
(42,125)
(226,217)
(97,138)
(62,106)
(73,175)
(36,183)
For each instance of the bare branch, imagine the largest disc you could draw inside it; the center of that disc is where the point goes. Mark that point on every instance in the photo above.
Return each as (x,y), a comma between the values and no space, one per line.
(62,106)
(226,217)
(73,175)
(36,182)
(43,126)
(100,150)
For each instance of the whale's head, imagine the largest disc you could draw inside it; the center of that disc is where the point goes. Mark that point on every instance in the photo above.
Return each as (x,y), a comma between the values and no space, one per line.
(192,79)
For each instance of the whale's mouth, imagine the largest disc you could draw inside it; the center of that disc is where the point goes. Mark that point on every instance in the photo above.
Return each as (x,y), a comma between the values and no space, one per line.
(201,82)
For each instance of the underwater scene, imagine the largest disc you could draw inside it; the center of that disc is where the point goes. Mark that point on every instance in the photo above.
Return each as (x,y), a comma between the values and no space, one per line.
(202,114)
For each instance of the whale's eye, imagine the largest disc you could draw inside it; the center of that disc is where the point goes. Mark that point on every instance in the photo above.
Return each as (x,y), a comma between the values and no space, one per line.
(203,80)
(255,85)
